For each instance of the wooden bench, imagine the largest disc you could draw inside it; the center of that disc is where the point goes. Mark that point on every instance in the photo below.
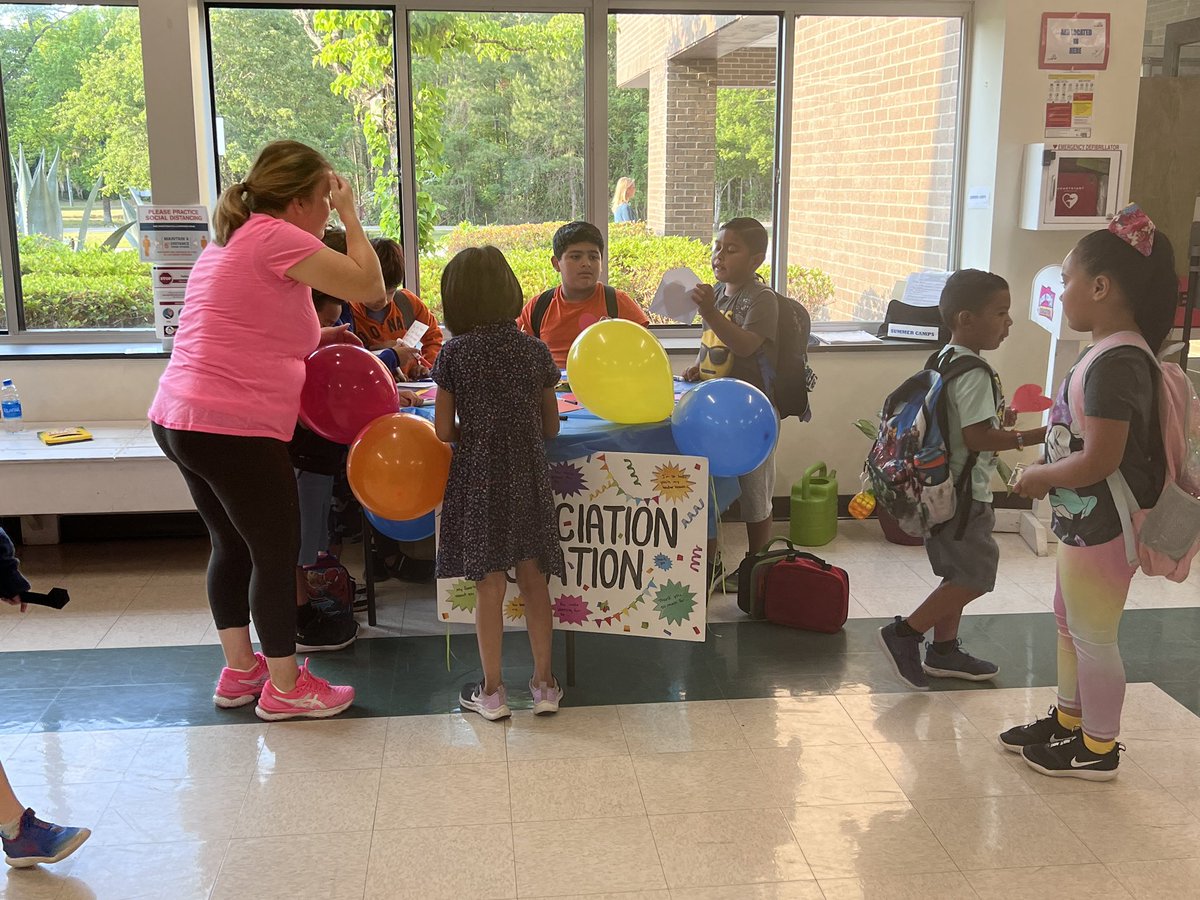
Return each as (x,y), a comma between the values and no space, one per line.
(121,470)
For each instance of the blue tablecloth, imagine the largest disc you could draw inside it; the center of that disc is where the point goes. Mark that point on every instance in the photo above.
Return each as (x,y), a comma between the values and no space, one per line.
(583,434)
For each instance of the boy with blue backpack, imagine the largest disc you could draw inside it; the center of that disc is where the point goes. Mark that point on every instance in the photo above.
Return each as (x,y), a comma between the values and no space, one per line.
(955,405)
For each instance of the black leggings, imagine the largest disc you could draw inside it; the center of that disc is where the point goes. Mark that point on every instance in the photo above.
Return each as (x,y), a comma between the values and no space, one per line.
(245,490)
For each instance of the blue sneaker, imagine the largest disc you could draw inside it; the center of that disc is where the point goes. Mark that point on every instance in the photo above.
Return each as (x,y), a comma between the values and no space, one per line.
(42,842)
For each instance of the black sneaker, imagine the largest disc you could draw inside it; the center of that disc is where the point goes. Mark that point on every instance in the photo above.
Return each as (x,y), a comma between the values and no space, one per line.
(360,598)
(325,633)
(1071,758)
(1043,731)
(904,653)
(958,663)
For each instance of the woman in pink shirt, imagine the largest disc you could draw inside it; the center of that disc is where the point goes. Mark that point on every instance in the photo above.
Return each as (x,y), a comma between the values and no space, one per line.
(227,405)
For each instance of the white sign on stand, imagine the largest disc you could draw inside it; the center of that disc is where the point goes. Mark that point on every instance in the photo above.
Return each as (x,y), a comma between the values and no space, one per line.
(170,285)
(171,238)
(172,234)
(1066,345)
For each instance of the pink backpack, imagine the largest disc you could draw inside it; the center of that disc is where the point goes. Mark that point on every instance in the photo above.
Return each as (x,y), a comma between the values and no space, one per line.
(1162,539)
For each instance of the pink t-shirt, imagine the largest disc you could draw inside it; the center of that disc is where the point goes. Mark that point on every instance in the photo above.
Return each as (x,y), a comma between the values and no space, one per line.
(238,362)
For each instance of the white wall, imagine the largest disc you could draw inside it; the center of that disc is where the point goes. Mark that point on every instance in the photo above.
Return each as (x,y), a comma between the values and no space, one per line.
(1007,94)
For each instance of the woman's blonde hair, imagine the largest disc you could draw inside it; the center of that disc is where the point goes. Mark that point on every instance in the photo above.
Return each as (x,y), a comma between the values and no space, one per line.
(621,194)
(283,171)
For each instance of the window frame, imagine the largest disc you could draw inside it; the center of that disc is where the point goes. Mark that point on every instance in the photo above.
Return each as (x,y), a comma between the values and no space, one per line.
(595,17)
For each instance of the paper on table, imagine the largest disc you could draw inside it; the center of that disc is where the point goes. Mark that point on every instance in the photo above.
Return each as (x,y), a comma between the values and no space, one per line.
(671,299)
(412,337)
(846,337)
(925,288)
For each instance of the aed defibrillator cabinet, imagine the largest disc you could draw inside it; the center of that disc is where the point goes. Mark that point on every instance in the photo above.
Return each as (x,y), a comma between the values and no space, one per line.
(1072,187)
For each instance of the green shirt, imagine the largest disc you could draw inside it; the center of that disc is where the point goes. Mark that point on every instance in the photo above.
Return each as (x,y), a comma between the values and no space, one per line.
(970,399)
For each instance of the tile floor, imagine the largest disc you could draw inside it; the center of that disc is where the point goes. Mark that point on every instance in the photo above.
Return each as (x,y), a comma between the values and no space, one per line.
(151,593)
(837,796)
(763,764)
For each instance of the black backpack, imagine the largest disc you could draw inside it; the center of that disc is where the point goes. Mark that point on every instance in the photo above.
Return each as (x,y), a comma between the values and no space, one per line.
(542,303)
(792,379)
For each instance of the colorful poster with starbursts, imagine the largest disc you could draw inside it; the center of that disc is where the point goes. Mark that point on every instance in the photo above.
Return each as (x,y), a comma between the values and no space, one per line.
(634,531)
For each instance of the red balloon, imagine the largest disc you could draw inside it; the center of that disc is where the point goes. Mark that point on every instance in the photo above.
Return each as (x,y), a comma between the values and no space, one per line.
(346,388)
(397,467)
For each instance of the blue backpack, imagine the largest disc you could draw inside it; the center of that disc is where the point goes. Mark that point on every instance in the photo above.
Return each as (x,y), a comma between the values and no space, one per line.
(909,463)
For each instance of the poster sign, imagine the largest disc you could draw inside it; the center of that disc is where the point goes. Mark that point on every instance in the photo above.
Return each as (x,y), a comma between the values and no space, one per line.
(172,234)
(1070,105)
(634,532)
(1075,40)
(170,285)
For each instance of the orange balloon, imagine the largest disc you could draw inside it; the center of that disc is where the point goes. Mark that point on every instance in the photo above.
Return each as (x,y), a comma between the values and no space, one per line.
(397,467)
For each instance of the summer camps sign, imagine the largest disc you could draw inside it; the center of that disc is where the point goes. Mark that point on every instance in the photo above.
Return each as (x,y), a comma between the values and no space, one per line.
(633,528)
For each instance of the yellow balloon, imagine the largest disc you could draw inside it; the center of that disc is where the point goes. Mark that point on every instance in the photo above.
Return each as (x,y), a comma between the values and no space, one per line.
(619,371)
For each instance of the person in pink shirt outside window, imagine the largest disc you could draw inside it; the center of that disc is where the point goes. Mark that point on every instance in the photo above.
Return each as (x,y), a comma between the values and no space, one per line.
(228,401)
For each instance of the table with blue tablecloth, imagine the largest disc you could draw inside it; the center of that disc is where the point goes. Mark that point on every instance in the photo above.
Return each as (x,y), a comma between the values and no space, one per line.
(582,433)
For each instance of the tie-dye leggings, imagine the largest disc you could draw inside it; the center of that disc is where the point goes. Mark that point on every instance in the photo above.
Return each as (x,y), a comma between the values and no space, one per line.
(1089,599)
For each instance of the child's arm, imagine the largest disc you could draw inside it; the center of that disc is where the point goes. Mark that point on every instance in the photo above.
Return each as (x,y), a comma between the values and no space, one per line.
(445,421)
(983,436)
(1101,456)
(550,418)
(739,341)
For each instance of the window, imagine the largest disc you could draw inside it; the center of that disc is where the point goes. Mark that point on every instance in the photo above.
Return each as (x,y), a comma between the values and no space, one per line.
(75,114)
(874,139)
(325,77)
(498,138)
(497,102)
(691,120)
(1159,15)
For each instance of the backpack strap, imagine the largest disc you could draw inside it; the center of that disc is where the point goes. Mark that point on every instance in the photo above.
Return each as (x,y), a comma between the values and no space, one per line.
(1123,499)
(408,311)
(610,302)
(538,313)
(951,366)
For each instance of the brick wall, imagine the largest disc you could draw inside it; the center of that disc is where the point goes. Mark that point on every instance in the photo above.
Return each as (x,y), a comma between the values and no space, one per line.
(681,174)
(872,153)
(753,67)
(1160,14)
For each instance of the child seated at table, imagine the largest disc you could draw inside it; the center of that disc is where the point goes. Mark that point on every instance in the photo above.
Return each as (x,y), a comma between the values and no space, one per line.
(382,326)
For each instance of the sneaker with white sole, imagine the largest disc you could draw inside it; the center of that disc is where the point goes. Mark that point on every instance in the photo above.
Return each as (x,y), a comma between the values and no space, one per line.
(236,687)
(37,842)
(546,697)
(490,706)
(1043,731)
(312,698)
(1071,758)
(904,653)
(957,663)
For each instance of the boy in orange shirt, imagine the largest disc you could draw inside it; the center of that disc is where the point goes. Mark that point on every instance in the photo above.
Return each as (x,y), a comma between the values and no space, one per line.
(557,316)
(382,325)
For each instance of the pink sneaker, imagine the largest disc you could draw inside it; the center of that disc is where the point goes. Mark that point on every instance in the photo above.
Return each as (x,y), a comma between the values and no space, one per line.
(238,688)
(490,706)
(313,698)
(546,697)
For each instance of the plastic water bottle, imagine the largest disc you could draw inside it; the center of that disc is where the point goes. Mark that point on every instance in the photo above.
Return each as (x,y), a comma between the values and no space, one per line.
(10,406)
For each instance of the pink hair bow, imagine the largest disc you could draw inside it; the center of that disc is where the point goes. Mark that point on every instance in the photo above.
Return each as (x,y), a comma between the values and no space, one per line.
(1134,227)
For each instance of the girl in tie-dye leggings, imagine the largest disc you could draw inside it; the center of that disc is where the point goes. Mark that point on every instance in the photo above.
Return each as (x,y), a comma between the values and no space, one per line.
(1120,285)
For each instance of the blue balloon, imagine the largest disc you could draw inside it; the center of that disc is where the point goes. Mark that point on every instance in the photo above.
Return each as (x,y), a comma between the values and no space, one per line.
(412,530)
(729,421)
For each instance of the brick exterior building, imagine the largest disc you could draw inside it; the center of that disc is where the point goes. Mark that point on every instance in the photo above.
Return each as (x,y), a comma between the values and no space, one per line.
(873,137)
